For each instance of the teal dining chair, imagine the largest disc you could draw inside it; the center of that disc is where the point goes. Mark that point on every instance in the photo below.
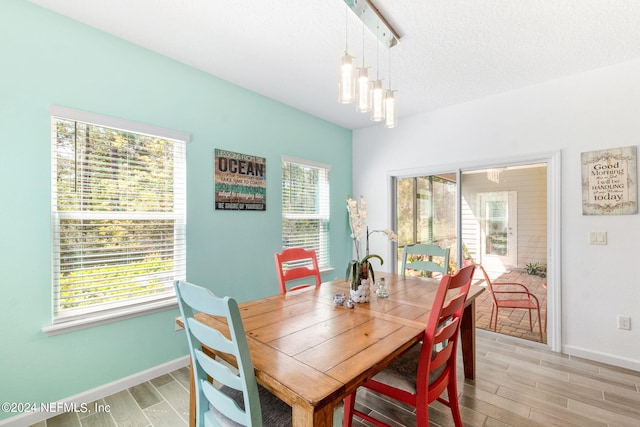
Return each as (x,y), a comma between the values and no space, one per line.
(236,398)
(420,257)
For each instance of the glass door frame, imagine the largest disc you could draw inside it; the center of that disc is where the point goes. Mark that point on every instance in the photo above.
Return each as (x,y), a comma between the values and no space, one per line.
(553,161)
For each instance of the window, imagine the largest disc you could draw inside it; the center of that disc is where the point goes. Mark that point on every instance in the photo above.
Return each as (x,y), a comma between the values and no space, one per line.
(118,216)
(305,207)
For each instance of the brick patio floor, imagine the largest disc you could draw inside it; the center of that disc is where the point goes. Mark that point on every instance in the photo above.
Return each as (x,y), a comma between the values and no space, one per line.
(513,322)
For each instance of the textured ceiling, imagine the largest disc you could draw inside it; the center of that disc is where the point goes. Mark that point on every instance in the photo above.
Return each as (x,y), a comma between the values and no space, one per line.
(450,51)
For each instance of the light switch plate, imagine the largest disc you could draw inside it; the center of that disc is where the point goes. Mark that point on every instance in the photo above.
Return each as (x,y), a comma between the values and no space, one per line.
(597,237)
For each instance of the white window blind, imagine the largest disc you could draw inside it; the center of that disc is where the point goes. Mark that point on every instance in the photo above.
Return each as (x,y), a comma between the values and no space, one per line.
(305,207)
(118,214)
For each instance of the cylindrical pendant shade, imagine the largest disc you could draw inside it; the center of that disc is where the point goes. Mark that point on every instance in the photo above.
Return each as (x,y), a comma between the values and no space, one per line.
(390,113)
(377,101)
(346,80)
(362,91)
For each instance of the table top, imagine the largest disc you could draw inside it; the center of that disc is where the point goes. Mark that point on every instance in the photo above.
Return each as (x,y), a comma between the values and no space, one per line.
(310,352)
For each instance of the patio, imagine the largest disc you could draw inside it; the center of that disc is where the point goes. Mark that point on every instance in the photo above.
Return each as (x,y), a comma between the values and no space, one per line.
(513,322)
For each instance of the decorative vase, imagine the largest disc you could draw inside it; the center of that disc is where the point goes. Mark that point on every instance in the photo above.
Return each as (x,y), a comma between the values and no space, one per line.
(361,283)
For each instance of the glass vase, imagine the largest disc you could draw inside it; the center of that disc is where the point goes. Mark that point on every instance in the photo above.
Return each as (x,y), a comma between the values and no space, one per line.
(361,283)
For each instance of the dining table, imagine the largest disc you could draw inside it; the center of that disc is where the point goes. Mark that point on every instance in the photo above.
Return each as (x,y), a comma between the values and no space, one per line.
(311,352)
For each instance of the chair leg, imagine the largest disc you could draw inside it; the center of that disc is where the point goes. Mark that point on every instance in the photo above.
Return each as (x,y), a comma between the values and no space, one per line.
(349,403)
(495,321)
(452,395)
(491,317)
(530,322)
(540,326)
(422,414)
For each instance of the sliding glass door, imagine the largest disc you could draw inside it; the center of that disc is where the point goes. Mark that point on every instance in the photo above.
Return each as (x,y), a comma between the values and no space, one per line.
(426,212)
(503,214)
(495,216)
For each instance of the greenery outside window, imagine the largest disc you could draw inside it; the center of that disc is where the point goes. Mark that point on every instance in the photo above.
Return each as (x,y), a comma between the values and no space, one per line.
(118,215)
(305,207)
(426,212)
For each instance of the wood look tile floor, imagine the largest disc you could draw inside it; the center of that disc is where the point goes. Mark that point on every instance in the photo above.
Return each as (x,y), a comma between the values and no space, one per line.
(519,383)
(161,402)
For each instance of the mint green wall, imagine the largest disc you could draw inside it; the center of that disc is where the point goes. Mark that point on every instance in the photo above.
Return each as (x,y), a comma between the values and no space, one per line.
(48,59)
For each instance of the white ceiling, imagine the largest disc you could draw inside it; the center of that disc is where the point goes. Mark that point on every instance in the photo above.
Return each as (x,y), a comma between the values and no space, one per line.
(450,51)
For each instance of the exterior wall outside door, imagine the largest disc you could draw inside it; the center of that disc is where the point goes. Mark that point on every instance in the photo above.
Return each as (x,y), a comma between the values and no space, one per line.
(530,225)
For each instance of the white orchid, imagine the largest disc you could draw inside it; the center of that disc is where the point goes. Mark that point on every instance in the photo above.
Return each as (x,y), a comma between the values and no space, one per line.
(388,232)
(358,223)
(357,218)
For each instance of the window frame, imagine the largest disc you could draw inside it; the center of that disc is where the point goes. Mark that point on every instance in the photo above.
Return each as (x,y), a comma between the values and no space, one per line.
(134,306)
(323,251)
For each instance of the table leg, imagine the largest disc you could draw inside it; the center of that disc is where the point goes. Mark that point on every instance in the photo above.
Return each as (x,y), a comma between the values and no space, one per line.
(468,338)
(303,416)
(192,398)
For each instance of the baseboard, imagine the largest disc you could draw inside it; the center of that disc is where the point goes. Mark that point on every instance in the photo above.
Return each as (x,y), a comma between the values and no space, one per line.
(609,359)
(97,393)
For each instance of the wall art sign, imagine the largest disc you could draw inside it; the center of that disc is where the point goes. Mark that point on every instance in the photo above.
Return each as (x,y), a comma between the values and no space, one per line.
(610,182)
(240,181)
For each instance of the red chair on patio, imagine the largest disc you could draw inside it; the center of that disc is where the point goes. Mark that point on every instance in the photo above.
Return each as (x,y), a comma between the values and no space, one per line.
(295,264)
(511,295)
(425,371)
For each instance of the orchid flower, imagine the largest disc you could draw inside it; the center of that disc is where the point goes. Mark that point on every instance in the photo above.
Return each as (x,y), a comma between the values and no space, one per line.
(358,224)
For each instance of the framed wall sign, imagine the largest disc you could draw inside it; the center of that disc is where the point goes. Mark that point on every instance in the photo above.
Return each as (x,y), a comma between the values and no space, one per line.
(240,181)
(610,182)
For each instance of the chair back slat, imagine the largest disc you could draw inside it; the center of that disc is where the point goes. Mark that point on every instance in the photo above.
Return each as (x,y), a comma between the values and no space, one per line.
(199,299)
(441,334)
(453,305)
(207,334)
(218,370)
(295,264)
(224,403)
(429,264)
(441,357)
(446,332)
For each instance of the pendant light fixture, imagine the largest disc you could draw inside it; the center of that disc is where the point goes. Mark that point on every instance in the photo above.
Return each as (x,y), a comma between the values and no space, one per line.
(370,96)
(363,84)
(346,79)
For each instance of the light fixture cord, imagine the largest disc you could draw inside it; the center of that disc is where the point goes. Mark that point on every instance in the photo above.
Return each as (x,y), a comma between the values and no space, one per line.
(346,28)
(377,53)
(389,59)
(363,45)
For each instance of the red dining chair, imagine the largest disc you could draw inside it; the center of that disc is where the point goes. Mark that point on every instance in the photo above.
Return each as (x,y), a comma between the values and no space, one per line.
(511,295)
(427,369)
(295,264)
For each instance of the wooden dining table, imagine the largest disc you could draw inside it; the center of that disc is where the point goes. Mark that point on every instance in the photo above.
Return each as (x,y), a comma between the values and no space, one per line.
(311,353)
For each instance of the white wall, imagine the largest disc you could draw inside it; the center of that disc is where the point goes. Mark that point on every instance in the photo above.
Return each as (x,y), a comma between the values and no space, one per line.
(590,111)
